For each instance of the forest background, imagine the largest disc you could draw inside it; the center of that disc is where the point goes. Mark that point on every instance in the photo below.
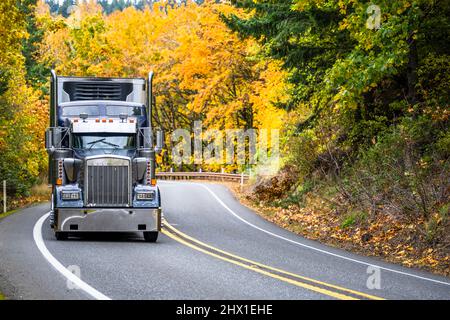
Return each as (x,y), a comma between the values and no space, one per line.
(359,91)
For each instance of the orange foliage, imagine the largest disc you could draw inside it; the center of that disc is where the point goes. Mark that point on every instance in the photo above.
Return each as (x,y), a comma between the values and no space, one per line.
(204,71)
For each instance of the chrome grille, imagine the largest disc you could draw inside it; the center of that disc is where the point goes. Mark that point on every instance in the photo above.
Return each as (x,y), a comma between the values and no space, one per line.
(107,182)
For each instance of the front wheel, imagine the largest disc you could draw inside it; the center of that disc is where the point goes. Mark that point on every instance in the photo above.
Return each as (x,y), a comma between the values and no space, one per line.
(61,235)
(151,236)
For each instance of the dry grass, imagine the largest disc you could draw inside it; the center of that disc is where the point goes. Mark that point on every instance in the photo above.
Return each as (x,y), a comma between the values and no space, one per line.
(39,193)
(41,190)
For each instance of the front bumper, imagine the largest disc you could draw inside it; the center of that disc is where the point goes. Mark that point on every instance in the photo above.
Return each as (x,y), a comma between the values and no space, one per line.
(107,220)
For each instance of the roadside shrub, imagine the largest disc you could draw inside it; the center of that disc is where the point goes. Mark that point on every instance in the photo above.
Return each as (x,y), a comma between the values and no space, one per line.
(406,173)
(296,197)
(436,225)
(353,218)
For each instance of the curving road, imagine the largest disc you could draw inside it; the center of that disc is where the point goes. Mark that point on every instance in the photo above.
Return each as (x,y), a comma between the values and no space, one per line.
(211,248)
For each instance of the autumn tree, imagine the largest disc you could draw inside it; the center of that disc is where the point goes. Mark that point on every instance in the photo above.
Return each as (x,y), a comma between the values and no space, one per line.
(22,115)
(203,70)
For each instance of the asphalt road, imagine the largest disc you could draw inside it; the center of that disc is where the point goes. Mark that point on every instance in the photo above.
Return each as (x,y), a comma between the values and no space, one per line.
(211,248)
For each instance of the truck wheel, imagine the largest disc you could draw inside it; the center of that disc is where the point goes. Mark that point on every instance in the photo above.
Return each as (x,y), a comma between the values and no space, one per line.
(151,236)
(61,235)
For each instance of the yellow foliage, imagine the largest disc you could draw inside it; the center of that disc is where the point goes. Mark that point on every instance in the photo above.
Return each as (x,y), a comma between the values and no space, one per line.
(23,117)
(203,70)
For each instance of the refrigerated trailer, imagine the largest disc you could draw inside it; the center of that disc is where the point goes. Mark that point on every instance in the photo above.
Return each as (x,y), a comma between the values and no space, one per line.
(102,156)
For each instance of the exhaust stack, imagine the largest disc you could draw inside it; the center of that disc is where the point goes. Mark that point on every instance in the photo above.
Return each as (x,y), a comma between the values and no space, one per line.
(150,99)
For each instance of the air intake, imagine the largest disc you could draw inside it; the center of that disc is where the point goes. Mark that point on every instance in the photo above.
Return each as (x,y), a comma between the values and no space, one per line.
(97,90)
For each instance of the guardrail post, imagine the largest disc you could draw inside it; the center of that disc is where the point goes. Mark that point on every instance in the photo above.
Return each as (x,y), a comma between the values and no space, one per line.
(4,196)
(242,179)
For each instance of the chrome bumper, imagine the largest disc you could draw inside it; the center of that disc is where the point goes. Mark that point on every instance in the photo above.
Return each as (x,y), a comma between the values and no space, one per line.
(107,220)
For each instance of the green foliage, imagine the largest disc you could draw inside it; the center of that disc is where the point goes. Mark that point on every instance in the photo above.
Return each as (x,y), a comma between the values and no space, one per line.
(353,218)
(36,73)
(434,227)
(306,41)
(337,63)
(370,100)
(406,172)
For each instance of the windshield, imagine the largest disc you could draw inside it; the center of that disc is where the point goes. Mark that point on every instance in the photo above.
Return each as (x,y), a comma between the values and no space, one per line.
(101,141)
(77,110)
(116,110)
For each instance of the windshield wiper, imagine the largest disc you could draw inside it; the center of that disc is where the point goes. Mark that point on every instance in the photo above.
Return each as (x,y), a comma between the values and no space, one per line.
(94,142)
(111,144)
(103,141)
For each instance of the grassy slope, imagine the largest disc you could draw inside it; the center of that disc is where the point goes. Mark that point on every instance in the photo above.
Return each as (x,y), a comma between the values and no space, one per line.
(381,237)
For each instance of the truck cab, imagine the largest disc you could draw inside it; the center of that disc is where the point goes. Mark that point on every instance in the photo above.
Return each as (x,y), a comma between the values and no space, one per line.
(102,149)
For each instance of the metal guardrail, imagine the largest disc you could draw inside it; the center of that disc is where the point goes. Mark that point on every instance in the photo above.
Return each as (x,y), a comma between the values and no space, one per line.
(203,176)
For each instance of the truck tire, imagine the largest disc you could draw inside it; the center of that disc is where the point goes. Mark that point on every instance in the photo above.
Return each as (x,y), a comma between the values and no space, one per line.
(151,236)
(61,235)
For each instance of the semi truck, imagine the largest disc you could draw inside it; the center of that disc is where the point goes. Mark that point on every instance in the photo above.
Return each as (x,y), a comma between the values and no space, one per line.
(102,151)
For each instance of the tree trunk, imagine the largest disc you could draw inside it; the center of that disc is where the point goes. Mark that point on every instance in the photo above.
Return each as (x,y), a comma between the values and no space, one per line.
(412,71)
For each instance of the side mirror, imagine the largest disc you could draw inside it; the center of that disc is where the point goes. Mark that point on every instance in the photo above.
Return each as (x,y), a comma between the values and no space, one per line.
(48,139)
(159,141)
(54,137)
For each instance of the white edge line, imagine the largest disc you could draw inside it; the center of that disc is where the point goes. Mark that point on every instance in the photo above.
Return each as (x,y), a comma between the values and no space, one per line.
(37,235)
(308,246)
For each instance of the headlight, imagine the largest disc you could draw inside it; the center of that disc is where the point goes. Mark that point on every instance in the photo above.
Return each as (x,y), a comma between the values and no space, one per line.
(70,195)
(146,196)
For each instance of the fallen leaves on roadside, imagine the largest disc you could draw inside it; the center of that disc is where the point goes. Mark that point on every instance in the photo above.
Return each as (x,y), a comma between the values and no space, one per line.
(382,235)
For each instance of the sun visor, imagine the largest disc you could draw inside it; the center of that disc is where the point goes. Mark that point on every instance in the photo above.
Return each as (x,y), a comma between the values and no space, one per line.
(101,126)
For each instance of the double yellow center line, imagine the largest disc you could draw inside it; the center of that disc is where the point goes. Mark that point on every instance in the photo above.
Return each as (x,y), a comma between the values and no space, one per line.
(288,277)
